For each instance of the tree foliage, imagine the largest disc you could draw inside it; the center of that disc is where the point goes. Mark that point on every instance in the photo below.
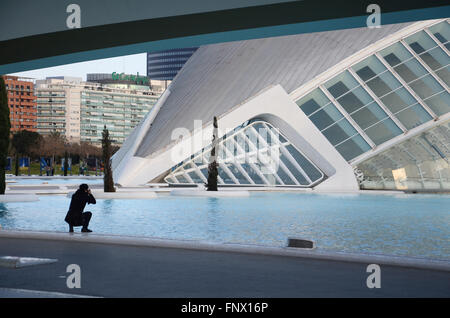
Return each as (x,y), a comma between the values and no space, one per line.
(107,152)
(213,166)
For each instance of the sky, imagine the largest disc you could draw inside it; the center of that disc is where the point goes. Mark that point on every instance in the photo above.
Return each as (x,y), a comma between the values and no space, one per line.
(130,64)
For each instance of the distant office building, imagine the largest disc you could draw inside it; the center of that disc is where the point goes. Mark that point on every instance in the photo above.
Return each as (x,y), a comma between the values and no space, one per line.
(21,102)
(79,110)
(164,65)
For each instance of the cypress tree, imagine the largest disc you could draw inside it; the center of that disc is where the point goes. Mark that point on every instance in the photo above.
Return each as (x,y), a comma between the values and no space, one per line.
(5,126)
(213,171)
(108,183)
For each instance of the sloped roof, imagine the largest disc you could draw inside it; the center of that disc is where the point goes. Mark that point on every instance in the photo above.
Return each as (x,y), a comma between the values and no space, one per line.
(220,76)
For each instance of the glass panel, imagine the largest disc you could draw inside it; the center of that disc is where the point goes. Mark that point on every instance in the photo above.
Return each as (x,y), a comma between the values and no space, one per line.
(395,54)
(383,84)
(413,116)
(182,179)
(442,32)
(444,74)
(284,176)
(307,166)
(440,103)
(398,100)
(223,174)
(369,68)
(204,171)
(339,132)
(276,132)
(194,176)
(369,115)
(383,131)
(410,70)
(341,84)
(313,101)
(326,116)
(170,180)
(435,58)
(252,173)
(353,147)
(237,174)
(355,100)
(420,42)
(426,86)
(297,174)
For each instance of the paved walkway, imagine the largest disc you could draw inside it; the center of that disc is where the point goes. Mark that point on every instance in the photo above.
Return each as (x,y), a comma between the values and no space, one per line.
(133,271)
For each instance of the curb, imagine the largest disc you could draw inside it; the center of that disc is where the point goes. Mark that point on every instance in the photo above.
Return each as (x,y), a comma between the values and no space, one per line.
(398,261)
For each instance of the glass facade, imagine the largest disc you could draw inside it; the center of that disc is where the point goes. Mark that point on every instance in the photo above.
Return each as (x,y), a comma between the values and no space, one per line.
(253,154)
(390,92)
(165,65)
(120,112)
(421,162)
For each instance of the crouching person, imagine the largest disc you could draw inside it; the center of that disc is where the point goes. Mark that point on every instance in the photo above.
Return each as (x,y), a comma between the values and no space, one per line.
(76,216)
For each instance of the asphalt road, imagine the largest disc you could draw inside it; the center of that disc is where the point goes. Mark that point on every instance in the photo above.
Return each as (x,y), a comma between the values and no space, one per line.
(130,271)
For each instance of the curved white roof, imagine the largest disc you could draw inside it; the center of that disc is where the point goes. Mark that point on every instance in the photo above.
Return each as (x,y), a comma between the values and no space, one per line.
(221,76)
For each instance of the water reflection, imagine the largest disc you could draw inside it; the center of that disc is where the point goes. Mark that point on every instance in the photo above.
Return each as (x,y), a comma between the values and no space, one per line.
(213,218)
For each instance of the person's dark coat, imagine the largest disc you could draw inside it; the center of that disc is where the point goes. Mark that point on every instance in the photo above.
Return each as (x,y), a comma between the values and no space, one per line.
(79,200)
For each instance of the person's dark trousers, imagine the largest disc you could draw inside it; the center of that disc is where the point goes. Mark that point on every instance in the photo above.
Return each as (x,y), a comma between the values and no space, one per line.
(86,218)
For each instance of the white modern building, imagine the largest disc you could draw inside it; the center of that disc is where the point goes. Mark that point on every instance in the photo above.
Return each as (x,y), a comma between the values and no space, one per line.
(341,110)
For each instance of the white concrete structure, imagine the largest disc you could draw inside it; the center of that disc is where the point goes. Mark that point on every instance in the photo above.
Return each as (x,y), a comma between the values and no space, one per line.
(322,111)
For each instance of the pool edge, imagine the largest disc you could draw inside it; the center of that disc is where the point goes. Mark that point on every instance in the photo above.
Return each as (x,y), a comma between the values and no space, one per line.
(389,260)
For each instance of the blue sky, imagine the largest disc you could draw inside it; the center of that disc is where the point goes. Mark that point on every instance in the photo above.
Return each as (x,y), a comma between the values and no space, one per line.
(130,64)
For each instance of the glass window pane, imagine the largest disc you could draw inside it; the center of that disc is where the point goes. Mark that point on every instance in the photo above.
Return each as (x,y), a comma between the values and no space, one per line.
(369,68)
(307,166)
(194,176)
(398,100)
(426,86)
(181,178)
(225,177)
(339,132)
(276,132)
(440,103)
(413,116)
(326,116)
(297,174)
(410,70)
(353,147)
(313,101)
(355,100)
(369,115)
(383,84)
(444,75)
(420,42)
(341,84)
(252,173)
(435,58)
(383,131)
(395,54)
(237,174)
(442,32)
(284,176)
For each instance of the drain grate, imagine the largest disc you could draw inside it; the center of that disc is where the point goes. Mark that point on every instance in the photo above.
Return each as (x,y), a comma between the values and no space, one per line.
(18,262)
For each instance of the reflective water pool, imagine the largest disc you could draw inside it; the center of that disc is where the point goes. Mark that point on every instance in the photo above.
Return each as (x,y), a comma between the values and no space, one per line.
(32,181)
(412,225)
